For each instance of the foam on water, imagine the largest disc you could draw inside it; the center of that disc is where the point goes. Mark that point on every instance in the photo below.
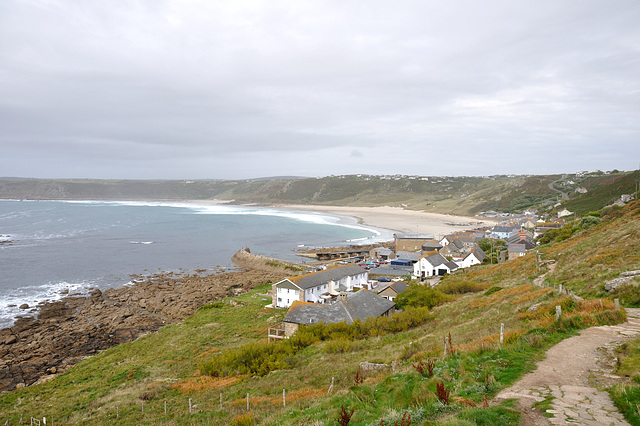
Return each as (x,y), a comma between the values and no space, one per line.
(33,295)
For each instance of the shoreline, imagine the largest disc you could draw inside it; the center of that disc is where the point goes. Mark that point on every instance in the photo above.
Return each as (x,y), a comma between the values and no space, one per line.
(399,220)
(394,219)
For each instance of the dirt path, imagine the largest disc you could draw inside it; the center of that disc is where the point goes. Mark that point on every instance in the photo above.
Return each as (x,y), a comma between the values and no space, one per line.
(571,374)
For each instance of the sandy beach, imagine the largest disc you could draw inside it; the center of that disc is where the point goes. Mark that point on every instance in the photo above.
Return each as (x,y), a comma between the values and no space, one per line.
(400,220)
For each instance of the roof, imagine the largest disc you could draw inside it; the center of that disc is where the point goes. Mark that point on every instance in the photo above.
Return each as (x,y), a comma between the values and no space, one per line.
(360,305)
(383,251)
(478,253)
(408,255)
(315,279)
(435,259)
(414,236)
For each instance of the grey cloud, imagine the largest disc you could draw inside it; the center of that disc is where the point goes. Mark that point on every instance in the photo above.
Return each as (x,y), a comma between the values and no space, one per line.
(242,89)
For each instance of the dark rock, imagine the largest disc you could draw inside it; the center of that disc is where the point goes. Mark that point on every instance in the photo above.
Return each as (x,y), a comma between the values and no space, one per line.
(24,306)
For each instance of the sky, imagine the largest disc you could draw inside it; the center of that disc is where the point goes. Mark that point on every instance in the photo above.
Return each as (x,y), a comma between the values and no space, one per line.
(208,89)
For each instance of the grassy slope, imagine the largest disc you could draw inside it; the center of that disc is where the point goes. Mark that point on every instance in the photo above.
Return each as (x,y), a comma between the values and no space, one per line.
(164,366)
(592,257)
(603,190)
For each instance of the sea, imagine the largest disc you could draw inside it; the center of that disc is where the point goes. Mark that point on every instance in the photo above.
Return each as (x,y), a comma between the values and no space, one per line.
(52,248)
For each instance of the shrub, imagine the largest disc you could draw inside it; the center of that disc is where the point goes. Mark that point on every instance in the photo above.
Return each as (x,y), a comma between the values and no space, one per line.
(492,290)
(341,345)
(460,287)
(418,295)
(588,221)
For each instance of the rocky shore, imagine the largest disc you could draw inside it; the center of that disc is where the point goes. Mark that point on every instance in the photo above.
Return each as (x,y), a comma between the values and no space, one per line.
(35,350)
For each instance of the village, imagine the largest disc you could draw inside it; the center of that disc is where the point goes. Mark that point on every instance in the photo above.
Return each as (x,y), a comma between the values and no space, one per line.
(357,284)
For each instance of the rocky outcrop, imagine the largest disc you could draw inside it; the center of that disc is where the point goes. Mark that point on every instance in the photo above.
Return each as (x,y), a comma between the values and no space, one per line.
(257,262)
(624,278)
(69,330)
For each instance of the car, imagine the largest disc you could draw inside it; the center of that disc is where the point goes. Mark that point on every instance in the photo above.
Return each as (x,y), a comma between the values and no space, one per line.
(384,280)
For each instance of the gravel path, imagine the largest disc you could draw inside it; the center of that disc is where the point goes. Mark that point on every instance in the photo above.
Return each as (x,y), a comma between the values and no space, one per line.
(571,375)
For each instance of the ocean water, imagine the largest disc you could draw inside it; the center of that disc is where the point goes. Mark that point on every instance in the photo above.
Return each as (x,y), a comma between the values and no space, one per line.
(60,246)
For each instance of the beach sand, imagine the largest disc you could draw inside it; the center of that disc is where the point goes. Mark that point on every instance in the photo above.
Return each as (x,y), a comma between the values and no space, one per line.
(400,220)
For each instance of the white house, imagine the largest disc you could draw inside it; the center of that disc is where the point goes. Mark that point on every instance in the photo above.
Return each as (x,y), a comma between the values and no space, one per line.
(432,264)
(318,287)
(475,257)
(564,212)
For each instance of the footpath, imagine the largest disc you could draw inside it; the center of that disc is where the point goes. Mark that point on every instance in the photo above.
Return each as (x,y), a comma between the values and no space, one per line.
(570,377)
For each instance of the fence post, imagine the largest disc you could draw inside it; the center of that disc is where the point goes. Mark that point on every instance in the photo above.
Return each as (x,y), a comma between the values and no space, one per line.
(560,289)
(117,412)
(616,302)
(330,391)
(220,400)
(284,398)
(247,401)
(558,312)
(142,407)
(445,346)
(165,407)
(190,409)
(501,333)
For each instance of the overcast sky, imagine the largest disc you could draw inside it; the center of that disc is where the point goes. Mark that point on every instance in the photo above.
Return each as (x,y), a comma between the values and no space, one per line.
(238,89)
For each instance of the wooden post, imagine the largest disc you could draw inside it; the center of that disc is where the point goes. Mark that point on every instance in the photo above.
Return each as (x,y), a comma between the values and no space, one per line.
(117,412)
(247,401)
(165,407)
(190,407)
(220,400)
(501,333)
(142,407)
(616,302)
(560,289)
(445,345)
(330,391)
(601,305)
(284,398)
(558,312)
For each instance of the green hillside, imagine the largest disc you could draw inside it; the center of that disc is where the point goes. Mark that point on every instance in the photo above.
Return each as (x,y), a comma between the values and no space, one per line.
(131,383)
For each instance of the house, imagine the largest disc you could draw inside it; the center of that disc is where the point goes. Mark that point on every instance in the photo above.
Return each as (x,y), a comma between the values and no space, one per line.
(320,286)
(405,258)
(522,237)
(516,250)
(411,242)
(563,213)
(475,257)
(360,305)
(432,264)
(381,253)
(502,232)
(391,291)
(431,246)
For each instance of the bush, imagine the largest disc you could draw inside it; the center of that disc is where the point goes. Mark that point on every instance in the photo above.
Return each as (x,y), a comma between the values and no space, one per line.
(492,290)
(460,287)
(253,359)
(341,345)
(418,295)
(588,221)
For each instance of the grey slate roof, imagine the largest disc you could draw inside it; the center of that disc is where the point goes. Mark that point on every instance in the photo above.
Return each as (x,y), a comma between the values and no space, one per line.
(436,259)
(415,236)
(315,279)
(408,255)
(360,305)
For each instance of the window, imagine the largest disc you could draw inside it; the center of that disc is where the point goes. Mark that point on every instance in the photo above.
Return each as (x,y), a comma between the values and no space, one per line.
(279,299)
